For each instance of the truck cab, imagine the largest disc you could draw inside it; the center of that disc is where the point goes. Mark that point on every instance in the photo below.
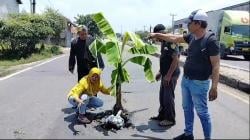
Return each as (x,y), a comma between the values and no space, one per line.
(232,31)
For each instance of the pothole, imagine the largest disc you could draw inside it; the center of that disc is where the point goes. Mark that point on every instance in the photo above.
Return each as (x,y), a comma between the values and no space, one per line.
(107,120)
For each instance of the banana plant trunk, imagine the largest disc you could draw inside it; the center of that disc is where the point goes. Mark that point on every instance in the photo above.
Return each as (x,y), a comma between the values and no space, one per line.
(118,105)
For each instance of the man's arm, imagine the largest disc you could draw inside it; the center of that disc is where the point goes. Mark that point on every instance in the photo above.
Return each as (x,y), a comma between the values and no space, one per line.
(172,68)
(173,65)
(168,37)
(72,57)
(215,61)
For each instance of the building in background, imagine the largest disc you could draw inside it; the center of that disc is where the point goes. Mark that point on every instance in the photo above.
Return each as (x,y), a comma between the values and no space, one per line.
(9,6)
(179,25)
(239,7)
(70,32)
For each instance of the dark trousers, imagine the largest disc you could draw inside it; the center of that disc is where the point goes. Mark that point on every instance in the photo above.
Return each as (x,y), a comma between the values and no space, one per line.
(167,104)
(81,74)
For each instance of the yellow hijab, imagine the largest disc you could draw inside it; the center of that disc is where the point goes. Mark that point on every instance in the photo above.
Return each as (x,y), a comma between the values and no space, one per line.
(94,87)
(86,86)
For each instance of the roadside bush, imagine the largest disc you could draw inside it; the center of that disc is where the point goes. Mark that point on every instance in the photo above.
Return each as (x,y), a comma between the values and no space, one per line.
(55,50)
(21,32)
(57,22)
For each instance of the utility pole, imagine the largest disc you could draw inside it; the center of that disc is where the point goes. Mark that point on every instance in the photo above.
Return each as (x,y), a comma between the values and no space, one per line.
(33,6)
(144,28)
(173,15)
(121,29)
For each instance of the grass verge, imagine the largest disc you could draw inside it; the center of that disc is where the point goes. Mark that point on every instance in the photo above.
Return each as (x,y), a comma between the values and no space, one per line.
(11,65)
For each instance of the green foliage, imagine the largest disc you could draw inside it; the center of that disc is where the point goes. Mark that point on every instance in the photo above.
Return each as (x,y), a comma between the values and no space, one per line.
(90,23)
(55,50)
(1,23)
(55,20)
(114,53)
(143,34)
(23,31)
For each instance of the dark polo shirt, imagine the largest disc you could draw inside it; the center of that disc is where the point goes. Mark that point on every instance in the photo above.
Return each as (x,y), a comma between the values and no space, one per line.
(166,58)
(198,65)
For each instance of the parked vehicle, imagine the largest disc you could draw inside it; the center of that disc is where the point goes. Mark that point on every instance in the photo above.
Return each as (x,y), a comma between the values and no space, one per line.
(232,30)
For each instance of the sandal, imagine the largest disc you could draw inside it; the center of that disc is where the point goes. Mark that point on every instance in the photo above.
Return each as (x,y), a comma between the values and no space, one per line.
(83,119)
(166,123)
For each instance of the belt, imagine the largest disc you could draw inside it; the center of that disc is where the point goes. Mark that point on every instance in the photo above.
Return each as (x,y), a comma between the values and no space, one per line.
(190,78)
(187,77)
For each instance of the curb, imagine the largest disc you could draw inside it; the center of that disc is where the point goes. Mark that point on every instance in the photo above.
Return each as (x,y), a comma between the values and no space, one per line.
(234,83)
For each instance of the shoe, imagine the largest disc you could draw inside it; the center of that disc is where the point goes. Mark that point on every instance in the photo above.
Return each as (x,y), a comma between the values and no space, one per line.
(74,107)
(165,123)
(83,119)
(184,137)
(157,118)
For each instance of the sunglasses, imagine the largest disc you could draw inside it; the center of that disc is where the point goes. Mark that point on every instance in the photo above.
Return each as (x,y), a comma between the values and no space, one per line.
(189,21)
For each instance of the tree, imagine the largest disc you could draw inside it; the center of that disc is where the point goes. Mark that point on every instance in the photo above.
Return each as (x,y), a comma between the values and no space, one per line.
(110,47)
(143,34)
(23,32)
(90,23)
(56,21)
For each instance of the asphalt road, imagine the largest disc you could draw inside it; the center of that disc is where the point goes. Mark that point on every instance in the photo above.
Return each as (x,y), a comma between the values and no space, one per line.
(237,61)
(34,105)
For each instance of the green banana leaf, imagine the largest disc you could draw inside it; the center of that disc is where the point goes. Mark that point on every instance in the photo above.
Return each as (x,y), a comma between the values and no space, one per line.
(114,76)
(114,53)
(104,25)
(97,46)
(138,43)
(146,63)
(146,49)
(108,48)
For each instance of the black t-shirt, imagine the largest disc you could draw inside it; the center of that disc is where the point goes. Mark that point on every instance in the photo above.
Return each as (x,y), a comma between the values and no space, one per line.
(166,58)
(198,65)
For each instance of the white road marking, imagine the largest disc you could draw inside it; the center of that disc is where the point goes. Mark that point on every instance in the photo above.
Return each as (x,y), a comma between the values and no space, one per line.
(29,68)
(234,94)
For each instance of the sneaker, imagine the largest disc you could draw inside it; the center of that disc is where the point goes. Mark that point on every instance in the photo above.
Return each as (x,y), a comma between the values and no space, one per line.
(83,119)
(165,123)
(184,137)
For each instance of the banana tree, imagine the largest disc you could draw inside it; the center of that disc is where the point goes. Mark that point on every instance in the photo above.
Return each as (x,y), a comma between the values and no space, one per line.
(115,55)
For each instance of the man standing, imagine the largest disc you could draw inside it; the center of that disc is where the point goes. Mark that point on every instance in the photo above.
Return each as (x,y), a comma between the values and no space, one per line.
(202,63)
(169,73)
(79,52)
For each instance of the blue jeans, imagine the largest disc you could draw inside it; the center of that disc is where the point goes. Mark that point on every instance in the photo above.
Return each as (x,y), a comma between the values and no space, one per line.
(89,102)
(194,95)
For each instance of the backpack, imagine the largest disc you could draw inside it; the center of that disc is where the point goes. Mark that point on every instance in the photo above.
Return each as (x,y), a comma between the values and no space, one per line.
(205,39)
(204,44)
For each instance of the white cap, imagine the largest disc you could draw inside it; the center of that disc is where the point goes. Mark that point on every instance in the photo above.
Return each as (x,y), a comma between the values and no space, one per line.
(197,15)
(200,15)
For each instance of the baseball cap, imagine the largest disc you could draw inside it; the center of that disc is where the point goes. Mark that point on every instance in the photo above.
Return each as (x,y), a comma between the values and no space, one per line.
(159,28)
(199,15)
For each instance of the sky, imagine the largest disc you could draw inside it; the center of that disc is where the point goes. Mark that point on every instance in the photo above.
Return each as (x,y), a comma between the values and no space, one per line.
(130,15)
